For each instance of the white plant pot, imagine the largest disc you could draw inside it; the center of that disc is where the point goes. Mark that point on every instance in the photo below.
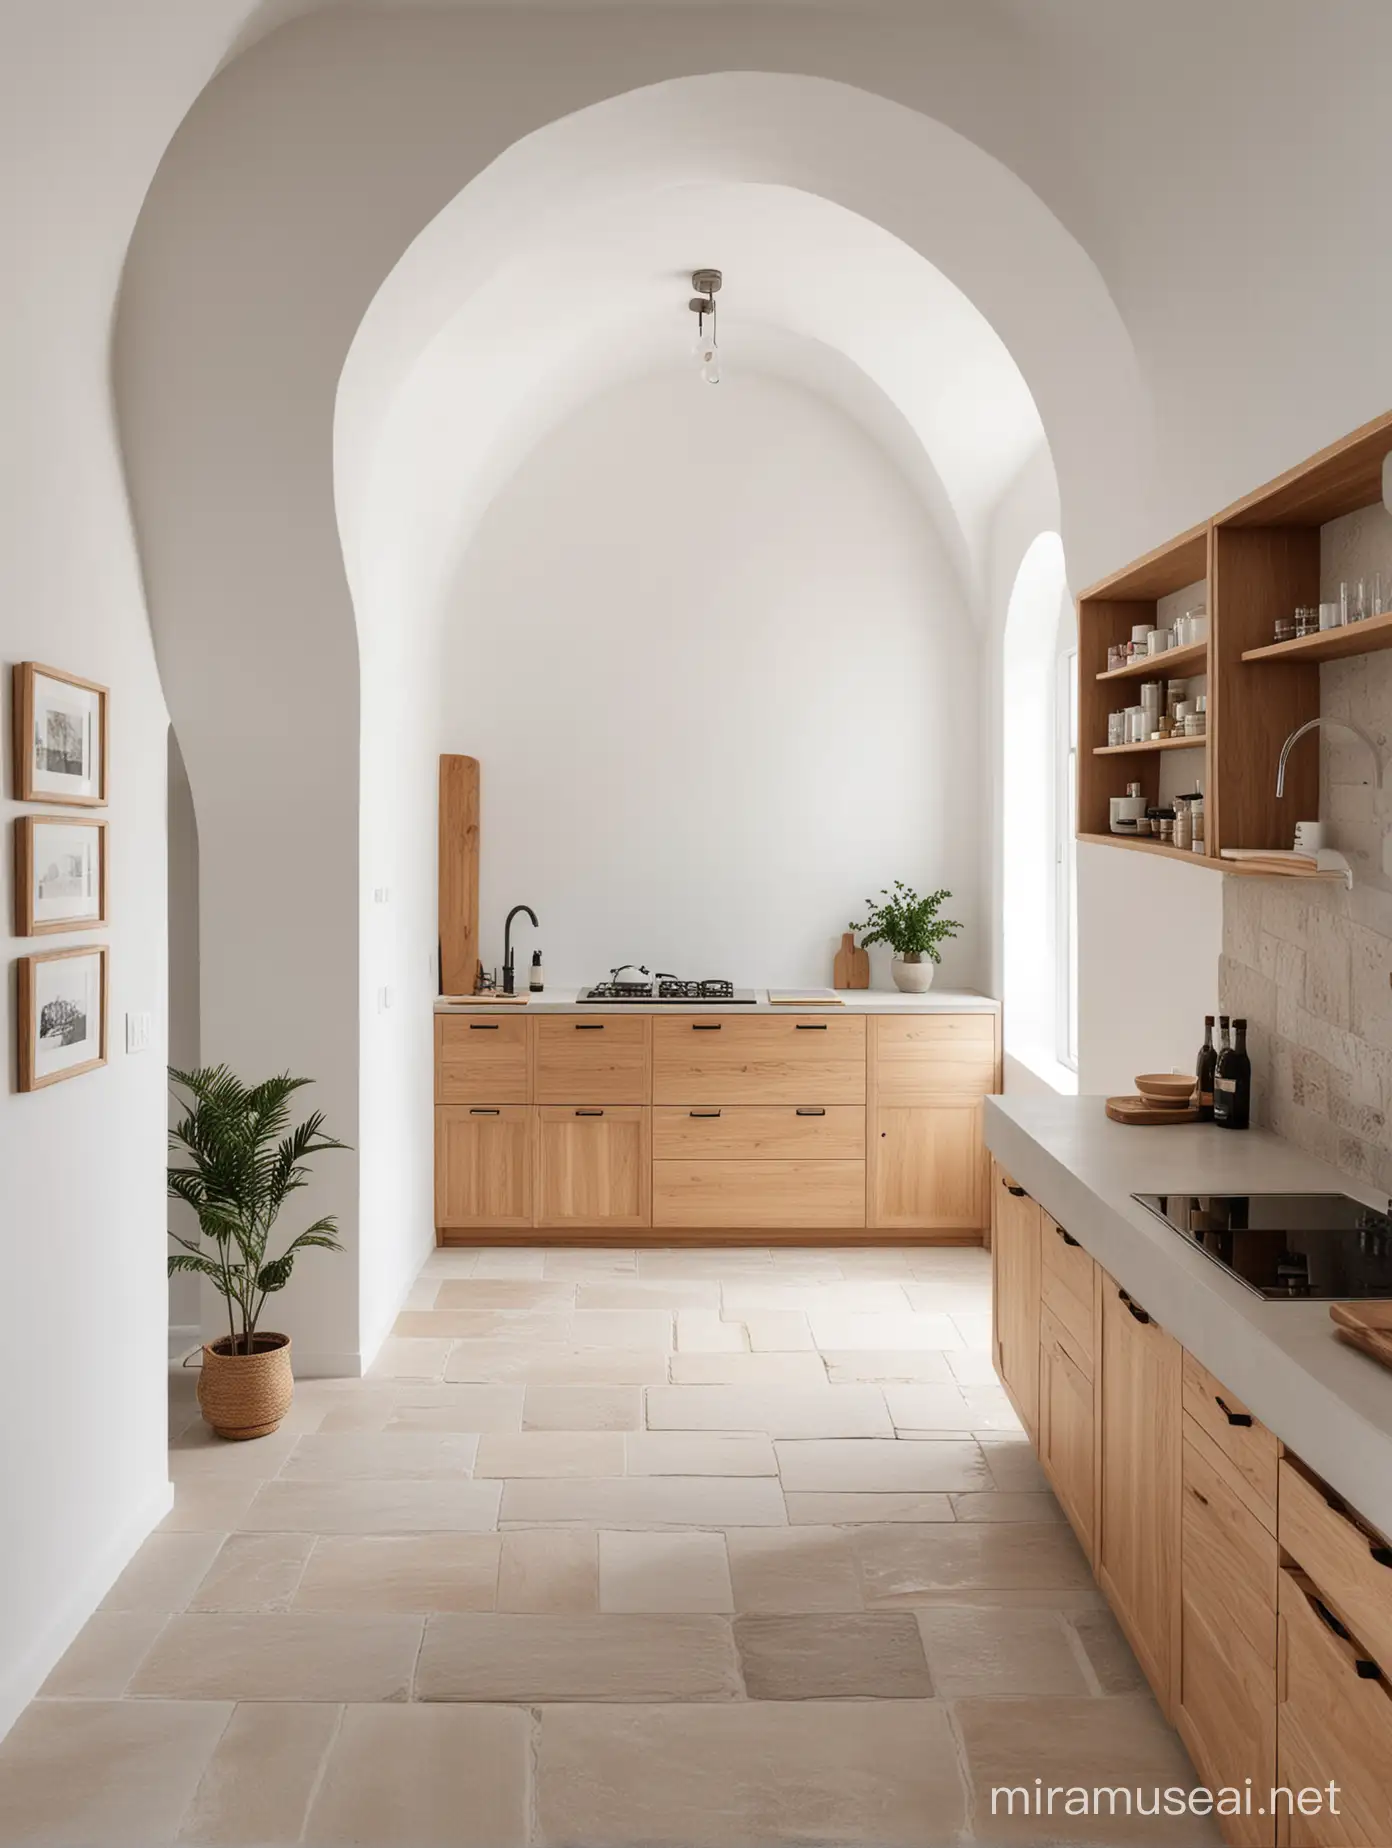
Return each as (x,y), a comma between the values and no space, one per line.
(913,975)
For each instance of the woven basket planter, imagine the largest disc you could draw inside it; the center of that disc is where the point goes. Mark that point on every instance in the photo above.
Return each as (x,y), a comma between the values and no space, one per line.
(246,1395)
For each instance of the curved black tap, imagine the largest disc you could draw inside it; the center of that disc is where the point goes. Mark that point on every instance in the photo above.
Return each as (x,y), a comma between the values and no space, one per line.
(507,943)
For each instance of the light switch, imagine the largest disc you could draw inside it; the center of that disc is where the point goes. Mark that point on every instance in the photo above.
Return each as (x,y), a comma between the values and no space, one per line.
(140,1031)
(384,1000)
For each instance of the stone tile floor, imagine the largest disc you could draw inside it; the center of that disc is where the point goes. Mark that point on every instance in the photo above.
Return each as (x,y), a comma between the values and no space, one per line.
(685,1547)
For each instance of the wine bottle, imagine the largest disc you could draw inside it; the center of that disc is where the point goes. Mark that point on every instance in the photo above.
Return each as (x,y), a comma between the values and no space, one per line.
(1207,1059)
(1232,1084)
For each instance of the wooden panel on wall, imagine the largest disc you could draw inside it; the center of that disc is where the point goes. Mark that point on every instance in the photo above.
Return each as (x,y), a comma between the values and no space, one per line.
(459,874)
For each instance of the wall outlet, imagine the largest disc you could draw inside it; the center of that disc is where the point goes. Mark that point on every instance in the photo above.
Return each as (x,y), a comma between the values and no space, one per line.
(140,1031)
(381,895)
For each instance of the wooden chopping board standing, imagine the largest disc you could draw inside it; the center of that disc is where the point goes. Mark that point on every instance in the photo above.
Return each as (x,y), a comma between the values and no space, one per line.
(1366,1326)
(850,967)
(459,875)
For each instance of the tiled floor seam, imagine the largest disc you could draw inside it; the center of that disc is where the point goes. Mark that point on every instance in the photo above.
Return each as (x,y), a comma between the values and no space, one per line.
(534,1724)
(1083,1659)
(322,1770)
(959,1748)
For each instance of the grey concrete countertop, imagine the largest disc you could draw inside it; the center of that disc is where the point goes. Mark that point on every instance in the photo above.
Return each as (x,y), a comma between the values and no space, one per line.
(1329,1403)
(854,1001)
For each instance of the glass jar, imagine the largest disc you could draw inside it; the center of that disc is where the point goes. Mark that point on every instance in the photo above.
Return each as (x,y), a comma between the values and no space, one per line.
(1116,728)
(1116,657)
(1285,628)
(1307,621)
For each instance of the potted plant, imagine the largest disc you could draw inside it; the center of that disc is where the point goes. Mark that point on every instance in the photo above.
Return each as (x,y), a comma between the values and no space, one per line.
(910,925)
(244,1160)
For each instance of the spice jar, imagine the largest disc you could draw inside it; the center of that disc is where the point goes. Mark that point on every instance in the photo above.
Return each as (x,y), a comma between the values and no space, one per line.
(1285,628)
(1183,824)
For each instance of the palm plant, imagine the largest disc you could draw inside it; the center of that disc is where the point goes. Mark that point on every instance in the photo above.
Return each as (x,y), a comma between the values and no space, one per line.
(244,1162)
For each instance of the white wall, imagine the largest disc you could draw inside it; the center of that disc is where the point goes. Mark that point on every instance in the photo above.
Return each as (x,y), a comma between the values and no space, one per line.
(707,649)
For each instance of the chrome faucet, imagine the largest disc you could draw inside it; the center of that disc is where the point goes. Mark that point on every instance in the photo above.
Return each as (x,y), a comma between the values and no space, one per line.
(1310,725)
(507,944)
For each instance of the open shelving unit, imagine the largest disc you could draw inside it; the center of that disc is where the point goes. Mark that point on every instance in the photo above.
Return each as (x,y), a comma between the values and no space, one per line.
(1260,558)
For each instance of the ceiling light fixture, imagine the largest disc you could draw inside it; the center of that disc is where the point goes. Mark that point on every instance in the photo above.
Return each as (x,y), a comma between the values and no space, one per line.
(706,283)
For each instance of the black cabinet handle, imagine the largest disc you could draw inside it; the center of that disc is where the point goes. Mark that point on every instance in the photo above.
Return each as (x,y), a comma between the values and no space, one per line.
(1198,1497)
(483,1026)
(703,1113)
(482,1110)
(810,1026)
(1365,1668)
(1382,1555)
(589,1026)
(589,1113)
(1134,1307)
(705,1026)
(809,1110)
(1067,1237)
(1233,1418)
(1010,1187)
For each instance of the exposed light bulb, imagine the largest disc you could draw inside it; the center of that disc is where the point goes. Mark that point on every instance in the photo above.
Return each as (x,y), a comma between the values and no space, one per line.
(710,361)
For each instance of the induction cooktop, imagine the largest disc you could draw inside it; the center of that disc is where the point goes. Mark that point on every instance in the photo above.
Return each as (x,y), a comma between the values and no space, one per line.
(1287,1247)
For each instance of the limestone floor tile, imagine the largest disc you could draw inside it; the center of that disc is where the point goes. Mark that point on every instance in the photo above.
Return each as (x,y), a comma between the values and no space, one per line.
(465,1408)
(433,1777)
(985,1650)
(582,1408)
(164,1573)
(409,1358)
(777,1331)
(971,1367)
(400,1572)
(728,1261)
(1108,1653)
(929,1408)
(209,1504)
(461,1506)
(699,1453)
(702,1331)
(1002,1505)
(921,1366)
(748,1370)
(451,1261)
(843,1298)
(512,1263)
(551,1453)
(974,1329)
(861,1774)
(664,1572)
(1120,1742)
(846,1655)
(839,1328)
(800,1569)
(506,1362)
(504,1658)
(197,1452)
(584,1266)
(899,1564)
(622,1328)
(1012,1463)
(371,1404)
(422,1293)
(991,1409)
(253,1572)
(881,1466)
(205,1656)
(505,1293)
(781,1411)
(645,1501)
(101,1659)
(485,1324)
(549,1571)
(103,1773)
(817,1509)
(382,1456)
(947,1295)
(259,1781)
(639,1293)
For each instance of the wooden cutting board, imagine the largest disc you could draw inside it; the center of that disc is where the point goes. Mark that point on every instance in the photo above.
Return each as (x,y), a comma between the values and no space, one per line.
(459,874)
(1366,1326)
(1137,1111)
(850,967)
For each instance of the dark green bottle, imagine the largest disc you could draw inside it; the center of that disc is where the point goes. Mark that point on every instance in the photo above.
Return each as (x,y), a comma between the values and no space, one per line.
(1207,1060)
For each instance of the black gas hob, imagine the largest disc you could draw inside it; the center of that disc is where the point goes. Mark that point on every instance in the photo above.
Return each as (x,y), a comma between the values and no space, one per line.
(636,984)
(1287,1247)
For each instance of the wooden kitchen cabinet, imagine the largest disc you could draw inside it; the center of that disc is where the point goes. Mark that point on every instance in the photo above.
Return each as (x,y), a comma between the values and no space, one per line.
(481,1061)
(760,1195)
(768,1059)
(1015,1295)
(1138,1538)
(927,1076)
(592,1059)
(594,1165)
(1068,1429)
(483,1165)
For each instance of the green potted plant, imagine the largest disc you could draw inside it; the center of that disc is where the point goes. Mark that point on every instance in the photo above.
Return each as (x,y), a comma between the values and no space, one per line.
(244,1161)
(910,925)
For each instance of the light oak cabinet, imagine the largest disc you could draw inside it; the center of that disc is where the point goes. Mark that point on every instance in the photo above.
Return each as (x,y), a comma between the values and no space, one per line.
(593,1165)
(928,1074)
(762,1195)
(483,1165)
(1068,1430)
(772,1059)
(590,1060)
(482,1061)
(1016,1231)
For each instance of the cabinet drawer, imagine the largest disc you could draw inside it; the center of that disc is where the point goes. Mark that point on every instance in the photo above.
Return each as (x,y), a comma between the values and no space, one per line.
(1229,1559)
(772,1060)
(1351,1564)
(480,1061)
(1226,1716)
(593,1165)
(774,1194)
(587,1059)
(1334,1722)
(1068,1277)
(1251,1449)
(759,1132)
(1068,1430)
(930,1057)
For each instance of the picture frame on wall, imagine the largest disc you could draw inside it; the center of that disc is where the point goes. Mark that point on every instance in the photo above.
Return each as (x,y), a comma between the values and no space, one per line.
(61,737)
(60,874)
(62,1014)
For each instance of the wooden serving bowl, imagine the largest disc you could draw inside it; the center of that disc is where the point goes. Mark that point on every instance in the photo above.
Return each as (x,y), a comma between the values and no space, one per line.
(1166,1090)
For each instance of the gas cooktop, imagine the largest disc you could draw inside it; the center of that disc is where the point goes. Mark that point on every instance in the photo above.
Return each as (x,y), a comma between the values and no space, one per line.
(1287,1247)
(633,982)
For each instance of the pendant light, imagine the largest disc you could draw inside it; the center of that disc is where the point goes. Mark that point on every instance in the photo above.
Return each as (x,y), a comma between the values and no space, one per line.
(706,283)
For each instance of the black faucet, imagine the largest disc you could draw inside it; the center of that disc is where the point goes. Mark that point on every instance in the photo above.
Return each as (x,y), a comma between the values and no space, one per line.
(507,944)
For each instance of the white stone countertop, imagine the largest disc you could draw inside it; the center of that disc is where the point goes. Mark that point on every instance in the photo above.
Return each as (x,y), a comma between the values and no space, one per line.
(1329,1403)
(854,1001)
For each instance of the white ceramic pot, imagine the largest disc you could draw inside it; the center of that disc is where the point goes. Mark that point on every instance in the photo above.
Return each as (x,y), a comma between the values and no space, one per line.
(913,974)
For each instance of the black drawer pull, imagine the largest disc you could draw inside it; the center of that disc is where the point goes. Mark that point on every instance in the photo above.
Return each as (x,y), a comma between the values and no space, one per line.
(1198,1496)
(1067,1237)
(483,1110)
(705,1026)
(483,1026)
(1382,1555)
(589,1113)
(810,1026)
(1367,1671)
(1134,1307)
(589,1026)
(1233,1418)
(1010,1187)
(810,1110)
(703,1113)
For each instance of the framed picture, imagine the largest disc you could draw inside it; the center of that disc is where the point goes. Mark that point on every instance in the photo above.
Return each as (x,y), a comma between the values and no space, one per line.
(60,737)
(62,1015)
(60,874)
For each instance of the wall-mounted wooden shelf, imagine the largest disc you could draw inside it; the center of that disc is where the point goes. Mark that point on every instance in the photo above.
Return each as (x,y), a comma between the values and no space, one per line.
(1149,744)
(1178,663)
(1356,638)
(1238,869)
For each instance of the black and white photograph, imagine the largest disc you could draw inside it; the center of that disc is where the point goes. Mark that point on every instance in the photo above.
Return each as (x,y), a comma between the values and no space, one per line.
(60,874)
(62,1015)
(60,726)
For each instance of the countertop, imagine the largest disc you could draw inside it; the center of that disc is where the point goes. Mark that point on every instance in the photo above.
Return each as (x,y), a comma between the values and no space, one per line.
(1330,1404)
(854,1001)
